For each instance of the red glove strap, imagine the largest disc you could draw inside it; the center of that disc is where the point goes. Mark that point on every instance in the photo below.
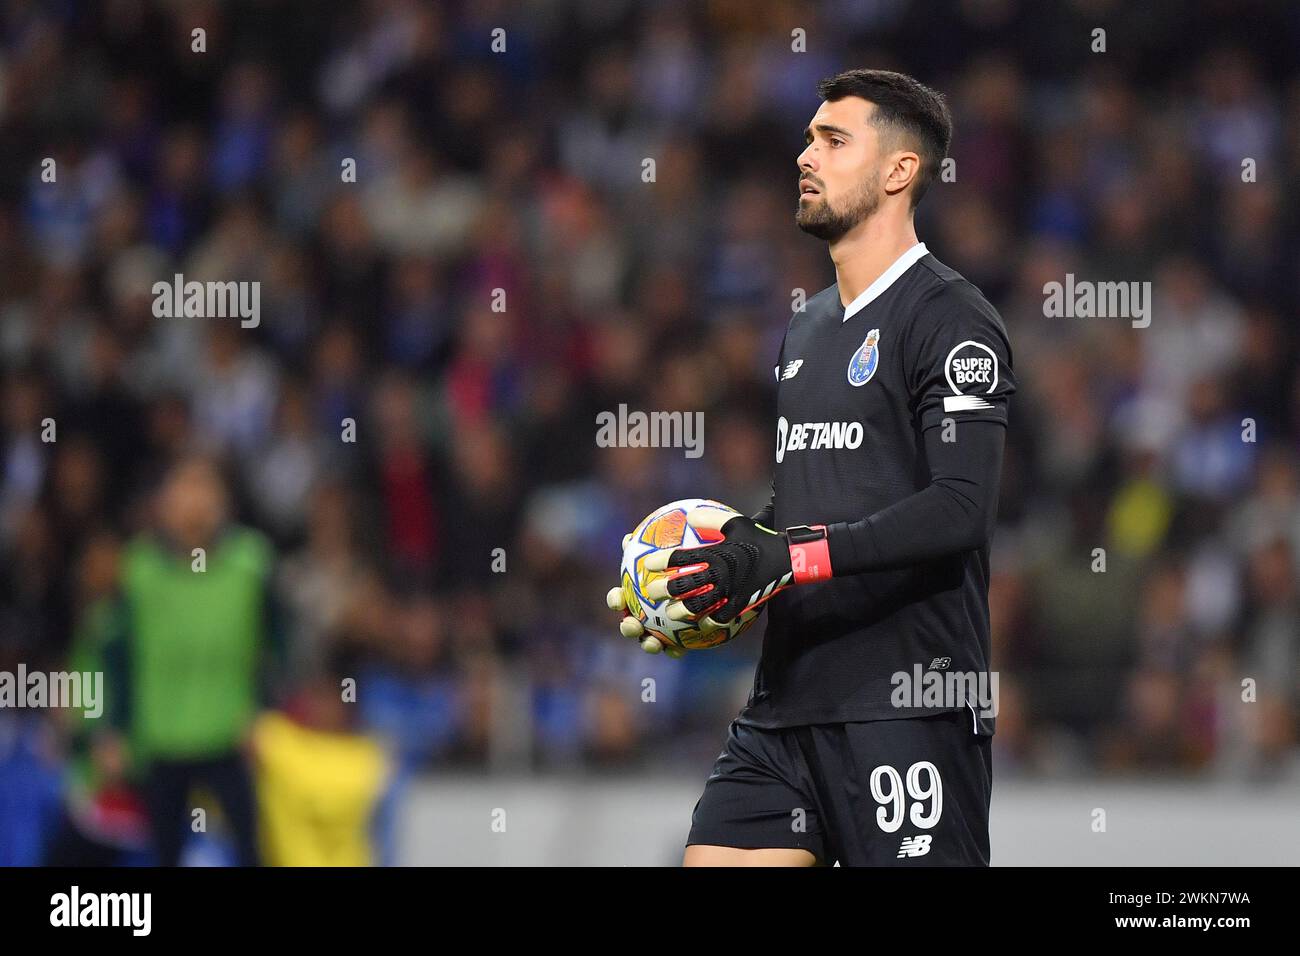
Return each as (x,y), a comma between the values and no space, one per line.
(814,558)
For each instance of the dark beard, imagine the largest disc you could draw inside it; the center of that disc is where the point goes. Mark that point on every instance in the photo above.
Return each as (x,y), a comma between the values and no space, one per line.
(829,224)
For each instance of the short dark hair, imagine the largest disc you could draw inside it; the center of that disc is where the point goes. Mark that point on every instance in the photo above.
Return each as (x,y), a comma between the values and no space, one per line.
(906,105)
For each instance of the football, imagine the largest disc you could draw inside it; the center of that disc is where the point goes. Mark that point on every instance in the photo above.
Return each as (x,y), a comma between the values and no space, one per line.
(665,529)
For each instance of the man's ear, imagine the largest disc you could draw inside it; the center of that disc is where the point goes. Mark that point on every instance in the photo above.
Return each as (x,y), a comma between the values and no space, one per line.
(904,168)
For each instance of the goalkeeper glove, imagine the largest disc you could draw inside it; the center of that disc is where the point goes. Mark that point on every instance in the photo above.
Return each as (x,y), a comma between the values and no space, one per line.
(631,627)
(650,643)
(719,582)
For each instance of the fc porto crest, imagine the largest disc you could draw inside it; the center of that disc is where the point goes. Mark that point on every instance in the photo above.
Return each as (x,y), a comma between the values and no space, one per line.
(863,364)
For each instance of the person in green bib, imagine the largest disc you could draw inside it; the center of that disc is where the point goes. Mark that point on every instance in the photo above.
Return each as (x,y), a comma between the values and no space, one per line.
(197,653)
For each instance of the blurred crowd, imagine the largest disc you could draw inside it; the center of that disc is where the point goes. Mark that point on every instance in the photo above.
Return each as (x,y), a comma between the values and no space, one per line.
(407,435)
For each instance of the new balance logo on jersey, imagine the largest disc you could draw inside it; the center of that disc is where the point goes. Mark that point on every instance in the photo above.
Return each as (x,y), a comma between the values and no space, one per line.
(914,846)
(792,369)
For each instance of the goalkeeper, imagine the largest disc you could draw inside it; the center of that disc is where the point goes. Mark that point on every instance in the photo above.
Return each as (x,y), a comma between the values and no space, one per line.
(872,556)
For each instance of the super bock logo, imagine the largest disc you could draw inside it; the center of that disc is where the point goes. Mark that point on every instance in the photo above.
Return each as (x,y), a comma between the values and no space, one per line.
(971,369)
(863,364)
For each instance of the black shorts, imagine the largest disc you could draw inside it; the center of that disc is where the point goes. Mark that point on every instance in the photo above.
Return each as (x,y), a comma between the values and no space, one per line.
(907,792)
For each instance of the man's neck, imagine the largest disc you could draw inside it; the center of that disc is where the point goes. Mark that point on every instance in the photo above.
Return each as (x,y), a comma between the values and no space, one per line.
(866,251)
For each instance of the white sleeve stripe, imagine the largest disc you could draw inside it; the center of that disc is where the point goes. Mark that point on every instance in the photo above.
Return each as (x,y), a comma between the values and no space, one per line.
(964,403)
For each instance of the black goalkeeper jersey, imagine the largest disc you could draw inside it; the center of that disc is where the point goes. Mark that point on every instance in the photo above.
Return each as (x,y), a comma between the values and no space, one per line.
(857,389)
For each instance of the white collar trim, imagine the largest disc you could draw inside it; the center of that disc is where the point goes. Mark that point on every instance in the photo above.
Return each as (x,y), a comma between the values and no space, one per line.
(886,279)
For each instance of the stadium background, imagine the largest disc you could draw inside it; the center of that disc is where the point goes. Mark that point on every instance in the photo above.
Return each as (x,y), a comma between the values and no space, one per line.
(522,171)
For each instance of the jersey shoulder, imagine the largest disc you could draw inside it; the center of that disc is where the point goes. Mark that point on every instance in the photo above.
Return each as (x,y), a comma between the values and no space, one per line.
(943,290)
(955,349)
(827,300)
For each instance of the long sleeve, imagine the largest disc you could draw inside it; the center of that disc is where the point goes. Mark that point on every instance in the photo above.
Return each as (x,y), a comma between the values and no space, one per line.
(955,513)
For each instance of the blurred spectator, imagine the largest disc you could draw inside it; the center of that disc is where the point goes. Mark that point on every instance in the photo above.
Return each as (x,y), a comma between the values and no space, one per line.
(106,821)
(198,639)
(325,788)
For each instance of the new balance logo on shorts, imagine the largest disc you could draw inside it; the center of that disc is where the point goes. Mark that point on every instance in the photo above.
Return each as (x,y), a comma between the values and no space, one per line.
(915,846)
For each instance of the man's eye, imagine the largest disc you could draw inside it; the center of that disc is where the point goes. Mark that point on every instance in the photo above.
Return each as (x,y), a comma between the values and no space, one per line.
(836,142)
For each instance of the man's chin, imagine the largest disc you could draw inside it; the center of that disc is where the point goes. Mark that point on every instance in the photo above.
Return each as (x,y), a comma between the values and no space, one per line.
(818,228)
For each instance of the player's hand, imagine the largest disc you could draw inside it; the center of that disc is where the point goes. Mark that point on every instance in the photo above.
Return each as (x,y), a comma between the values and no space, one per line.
(631,627)
(719,582)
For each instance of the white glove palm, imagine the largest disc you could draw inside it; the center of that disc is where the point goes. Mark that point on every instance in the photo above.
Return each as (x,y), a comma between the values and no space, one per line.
(631,627)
